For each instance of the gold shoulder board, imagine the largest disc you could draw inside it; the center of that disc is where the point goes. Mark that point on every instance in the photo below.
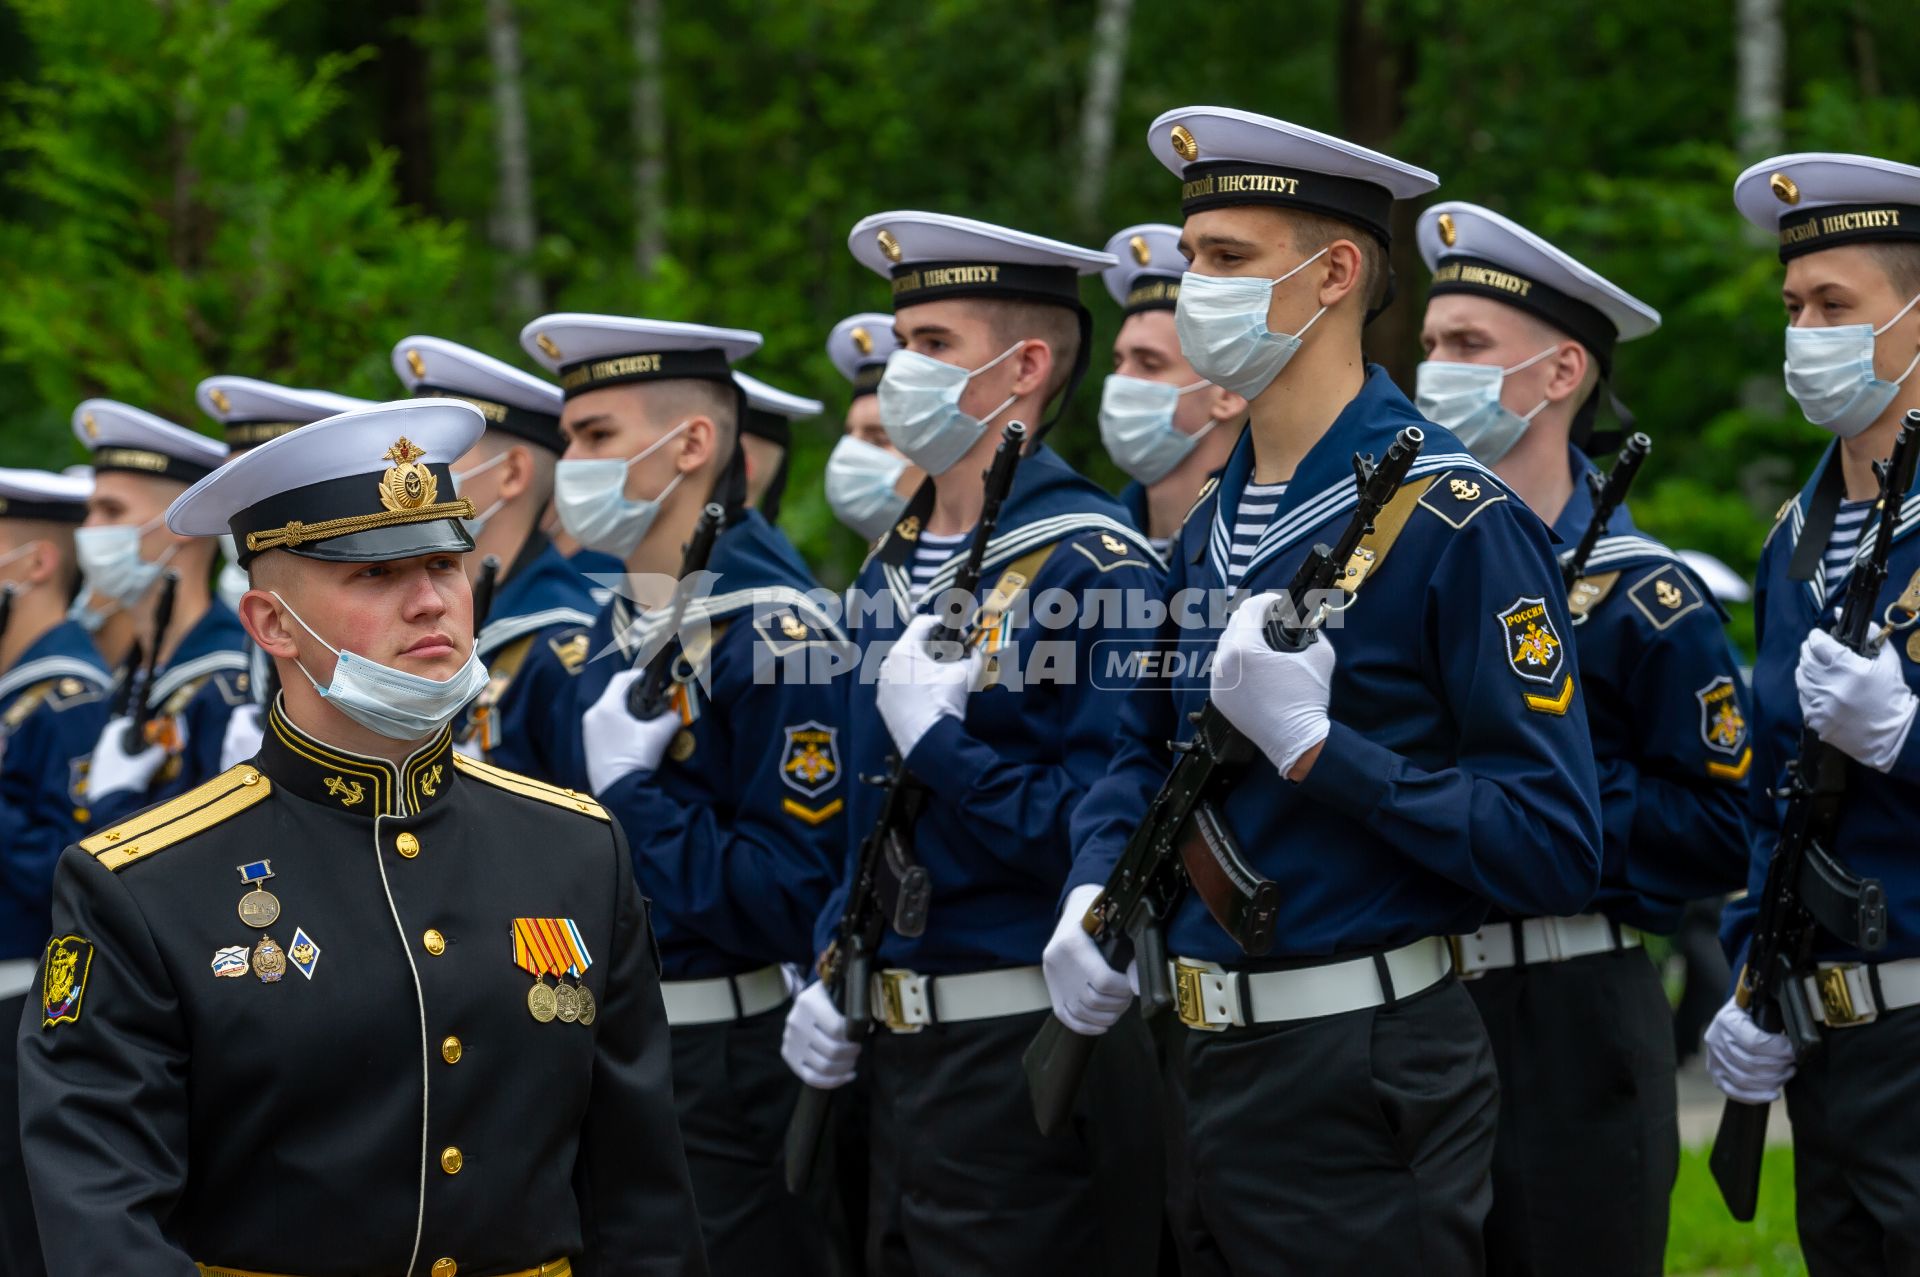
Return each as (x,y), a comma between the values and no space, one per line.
(200,808)
(528,787)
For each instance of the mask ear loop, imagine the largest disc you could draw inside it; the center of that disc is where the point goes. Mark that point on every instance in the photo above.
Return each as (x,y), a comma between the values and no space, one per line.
(301,622)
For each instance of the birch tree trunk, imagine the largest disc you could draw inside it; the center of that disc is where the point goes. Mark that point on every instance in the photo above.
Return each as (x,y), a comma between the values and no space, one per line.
(649,134)
(1106,67)
(513,217)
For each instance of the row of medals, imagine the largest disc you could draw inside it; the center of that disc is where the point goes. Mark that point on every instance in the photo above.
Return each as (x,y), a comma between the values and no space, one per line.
(260,908)
(561,1001)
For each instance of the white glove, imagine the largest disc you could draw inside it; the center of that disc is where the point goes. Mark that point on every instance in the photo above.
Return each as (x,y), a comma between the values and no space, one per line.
(1279,699)
(814,1043)
(915,691)
(1861,707)
(243,736)
(1744,1060)
(114,770)
(1088,995)
(617,743)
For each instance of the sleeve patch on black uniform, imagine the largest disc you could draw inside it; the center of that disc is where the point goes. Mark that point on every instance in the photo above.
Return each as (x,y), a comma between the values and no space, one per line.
(810,761)
(1664,596)
(63,980)
(1723,729)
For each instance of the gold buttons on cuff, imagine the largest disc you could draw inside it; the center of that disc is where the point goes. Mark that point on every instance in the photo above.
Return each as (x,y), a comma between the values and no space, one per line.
(451,1161)
(435,942)
(407,845)
(445,1268)
(450,1049)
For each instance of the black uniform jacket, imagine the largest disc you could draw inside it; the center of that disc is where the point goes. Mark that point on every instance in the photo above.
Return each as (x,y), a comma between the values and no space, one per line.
(375,1097)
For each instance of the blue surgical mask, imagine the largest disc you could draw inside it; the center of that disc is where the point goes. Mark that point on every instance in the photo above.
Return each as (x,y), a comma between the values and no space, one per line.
(111,563)
(920,408)
(391,702)
(592,499)
(479,521)
(1830,375)
(860,479)
(1222,322)
(81,613)
(1136,424)
(1465,398)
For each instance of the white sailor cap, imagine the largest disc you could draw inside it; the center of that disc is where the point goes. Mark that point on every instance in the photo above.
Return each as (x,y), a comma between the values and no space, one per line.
(771,413)
(593,351)
(1822,199)
(122,437)
(1148,270)
(511,400)
(1476,251)
(251,412)
(935,256)
(363,487)
(41,494)
(859,346)
(1226,158)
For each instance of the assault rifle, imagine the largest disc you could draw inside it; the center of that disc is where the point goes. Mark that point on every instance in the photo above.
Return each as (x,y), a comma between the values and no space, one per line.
(141,710)
(650,694)
(1608,493)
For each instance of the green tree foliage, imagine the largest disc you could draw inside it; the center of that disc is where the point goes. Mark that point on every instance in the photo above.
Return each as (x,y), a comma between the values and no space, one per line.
(282,190)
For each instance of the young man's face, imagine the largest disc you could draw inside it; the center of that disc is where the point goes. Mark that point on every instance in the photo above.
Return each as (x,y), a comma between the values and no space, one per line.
(414,615)
(1478,330)
(1849,285)
(135,500)
(617,423)
(863,423)
(958,333)
(1258,243)
(1148,348)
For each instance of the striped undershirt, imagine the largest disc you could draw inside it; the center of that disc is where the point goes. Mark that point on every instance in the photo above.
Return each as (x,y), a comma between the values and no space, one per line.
(930,554)
(1848,521)
(1258,501)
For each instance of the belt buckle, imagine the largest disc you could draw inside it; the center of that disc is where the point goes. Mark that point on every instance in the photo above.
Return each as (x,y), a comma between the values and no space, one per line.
(1836,997)
(893,1003)
(1457,952)
(1190,996)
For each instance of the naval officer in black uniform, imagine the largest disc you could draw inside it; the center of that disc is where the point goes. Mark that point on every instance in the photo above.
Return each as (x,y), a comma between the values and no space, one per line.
(359,1004)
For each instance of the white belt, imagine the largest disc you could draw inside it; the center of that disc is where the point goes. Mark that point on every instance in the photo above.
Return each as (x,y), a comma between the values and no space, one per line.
(907,1002)
(723,997)
(16,976)
(1213,998)
(1541,940)
(1844,993)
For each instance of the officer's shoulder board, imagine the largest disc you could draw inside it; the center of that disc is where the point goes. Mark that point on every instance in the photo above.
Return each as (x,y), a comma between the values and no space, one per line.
(528,787)
(1456,497)
(196,811)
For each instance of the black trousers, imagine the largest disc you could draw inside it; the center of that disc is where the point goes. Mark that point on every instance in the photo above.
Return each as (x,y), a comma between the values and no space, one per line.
(734,1095)
(19,1238)
(1856,1150)
(1589,1130)
(964,1183)
(1356,1143)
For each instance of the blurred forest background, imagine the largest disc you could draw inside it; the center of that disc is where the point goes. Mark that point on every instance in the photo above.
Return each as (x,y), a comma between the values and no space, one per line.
(283,188)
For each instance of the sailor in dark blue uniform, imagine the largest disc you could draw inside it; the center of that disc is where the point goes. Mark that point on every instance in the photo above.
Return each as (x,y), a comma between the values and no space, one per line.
(1520,339)
(141,463)
(993,331)
(766,440)
(52,701)
(1167,427)
(222,721)
(1849,232)
(735,795)
(538,599)
(868,480)
(1428,755)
